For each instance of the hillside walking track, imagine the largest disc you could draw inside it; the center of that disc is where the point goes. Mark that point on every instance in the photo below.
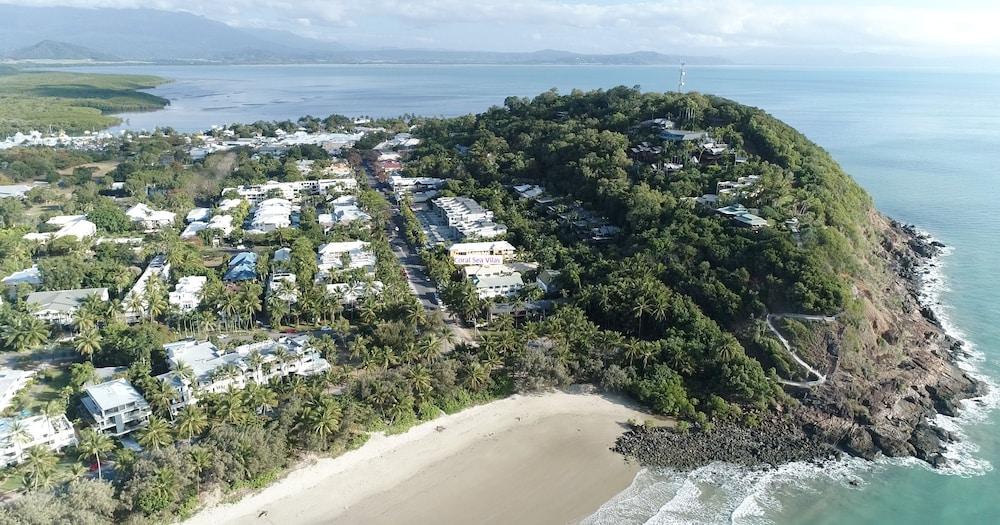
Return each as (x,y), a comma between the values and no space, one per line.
(820,378)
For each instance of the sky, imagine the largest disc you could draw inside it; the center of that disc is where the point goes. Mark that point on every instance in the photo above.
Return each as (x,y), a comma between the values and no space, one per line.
(918,28)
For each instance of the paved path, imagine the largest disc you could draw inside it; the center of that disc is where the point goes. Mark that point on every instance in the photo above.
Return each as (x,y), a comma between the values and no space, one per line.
(820,378)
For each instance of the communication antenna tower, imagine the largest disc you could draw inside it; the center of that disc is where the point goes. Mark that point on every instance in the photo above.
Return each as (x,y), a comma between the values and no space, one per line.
(680,80)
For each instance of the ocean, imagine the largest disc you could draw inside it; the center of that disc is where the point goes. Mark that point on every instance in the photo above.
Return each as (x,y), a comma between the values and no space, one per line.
(925,143)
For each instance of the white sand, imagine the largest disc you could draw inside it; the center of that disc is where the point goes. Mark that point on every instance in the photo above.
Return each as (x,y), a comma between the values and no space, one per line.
(525,459)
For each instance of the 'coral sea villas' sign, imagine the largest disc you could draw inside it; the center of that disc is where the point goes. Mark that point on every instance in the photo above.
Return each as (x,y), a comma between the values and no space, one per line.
(479,260)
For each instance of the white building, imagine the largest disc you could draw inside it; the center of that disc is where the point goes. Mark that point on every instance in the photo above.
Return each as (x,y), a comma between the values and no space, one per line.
(76,226)
(468,219)
(58,307)
(346,210)
(548,281)
(481,253)
(229,204)
(115,407)
(199,214)
(30,276)
(158,267)
(270,215)
(19,435)
(150,219)
(420,189)
(11,382)
(335,257)
(351,293)
(282,284)
(497,285)
(215,371)
(187,295)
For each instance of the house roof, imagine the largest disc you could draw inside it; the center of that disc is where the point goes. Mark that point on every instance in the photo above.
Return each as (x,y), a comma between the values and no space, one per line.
(64,300)
(30,276)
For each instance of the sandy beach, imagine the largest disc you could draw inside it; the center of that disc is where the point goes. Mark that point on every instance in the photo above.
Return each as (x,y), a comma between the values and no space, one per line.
(525,459)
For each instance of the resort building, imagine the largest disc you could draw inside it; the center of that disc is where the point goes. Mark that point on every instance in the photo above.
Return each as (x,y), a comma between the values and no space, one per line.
(346,210)
(337,257)
(187,294)
(488,287)
(17,435)
(29,277)
(547,281)
(481,253)
(11,382)
(76,226)
(282,284)
(742,216)
(214,371)
(149,219)
(115,407)
(420,189)
(734,190)
(135,304)
(59,307)
(468,219)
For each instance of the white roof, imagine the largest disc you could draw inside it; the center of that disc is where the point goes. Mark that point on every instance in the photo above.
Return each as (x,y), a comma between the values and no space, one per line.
(64,300)
(492,247)
(114,394)
(199,214)
(29,276)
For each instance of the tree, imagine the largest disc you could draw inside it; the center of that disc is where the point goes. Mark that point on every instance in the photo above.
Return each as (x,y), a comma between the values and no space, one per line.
(23,332)
(321,417)
(156,435)
(191,421)
(88,342)
(477,376)
(201,461)
(39,467)
(93,444)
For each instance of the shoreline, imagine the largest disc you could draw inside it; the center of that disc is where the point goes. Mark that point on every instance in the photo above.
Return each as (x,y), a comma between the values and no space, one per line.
(566,474)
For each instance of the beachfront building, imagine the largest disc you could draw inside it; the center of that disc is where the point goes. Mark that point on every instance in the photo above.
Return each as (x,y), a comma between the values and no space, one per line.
(336,257)
(11,382)
(115,407)
(292,191)
(493,286)
(187,294)
(468,219)
(59,306)
(76,226)
(481,253)
(149,219)
(212,371)
(17,435)
(135,304)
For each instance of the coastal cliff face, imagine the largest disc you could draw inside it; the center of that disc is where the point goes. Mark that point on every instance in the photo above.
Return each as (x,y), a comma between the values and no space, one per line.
(897,369)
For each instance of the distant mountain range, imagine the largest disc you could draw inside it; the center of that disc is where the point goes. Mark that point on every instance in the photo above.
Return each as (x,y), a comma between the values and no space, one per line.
(111,35)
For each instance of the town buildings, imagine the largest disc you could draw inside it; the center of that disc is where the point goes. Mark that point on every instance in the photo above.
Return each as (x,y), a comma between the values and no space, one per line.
(11,382)
(242,267)
(76,226)
(135,304)
(468,219)
(336,257)
(115,407)
(481,253)
(291,191)
(492,286)
(149,219)
(187,294)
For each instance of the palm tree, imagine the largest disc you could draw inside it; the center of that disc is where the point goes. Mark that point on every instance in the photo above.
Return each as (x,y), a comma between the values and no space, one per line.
(156,435)
(134,304)
(230,308)
(477,376)
(88,342)
(430,348)
(39,466)
(640,309)
(18,435)
(321,416)
(93,444)
(125,461)
(260,398)
(256,363)
(230,407)
(201,460)
(421,381)
(191,421)
(24,332)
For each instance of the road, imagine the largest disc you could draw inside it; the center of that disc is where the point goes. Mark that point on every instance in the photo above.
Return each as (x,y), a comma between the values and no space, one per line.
(820,378)
(416,275)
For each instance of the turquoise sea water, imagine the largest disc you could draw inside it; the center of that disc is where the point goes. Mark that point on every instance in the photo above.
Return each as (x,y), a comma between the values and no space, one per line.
(924,143)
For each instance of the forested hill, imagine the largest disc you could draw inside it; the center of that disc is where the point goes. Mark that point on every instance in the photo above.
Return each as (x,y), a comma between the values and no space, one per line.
(689,286)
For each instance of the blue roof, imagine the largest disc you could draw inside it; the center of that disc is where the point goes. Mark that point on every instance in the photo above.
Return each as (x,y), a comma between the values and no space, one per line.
(242,272)
(243,258)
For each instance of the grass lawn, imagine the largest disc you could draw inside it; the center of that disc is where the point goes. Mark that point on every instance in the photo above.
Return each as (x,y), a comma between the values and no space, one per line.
(73,102)
(44,388)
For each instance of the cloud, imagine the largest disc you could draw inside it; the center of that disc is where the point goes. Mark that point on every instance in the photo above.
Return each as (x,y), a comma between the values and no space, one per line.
(616,25)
